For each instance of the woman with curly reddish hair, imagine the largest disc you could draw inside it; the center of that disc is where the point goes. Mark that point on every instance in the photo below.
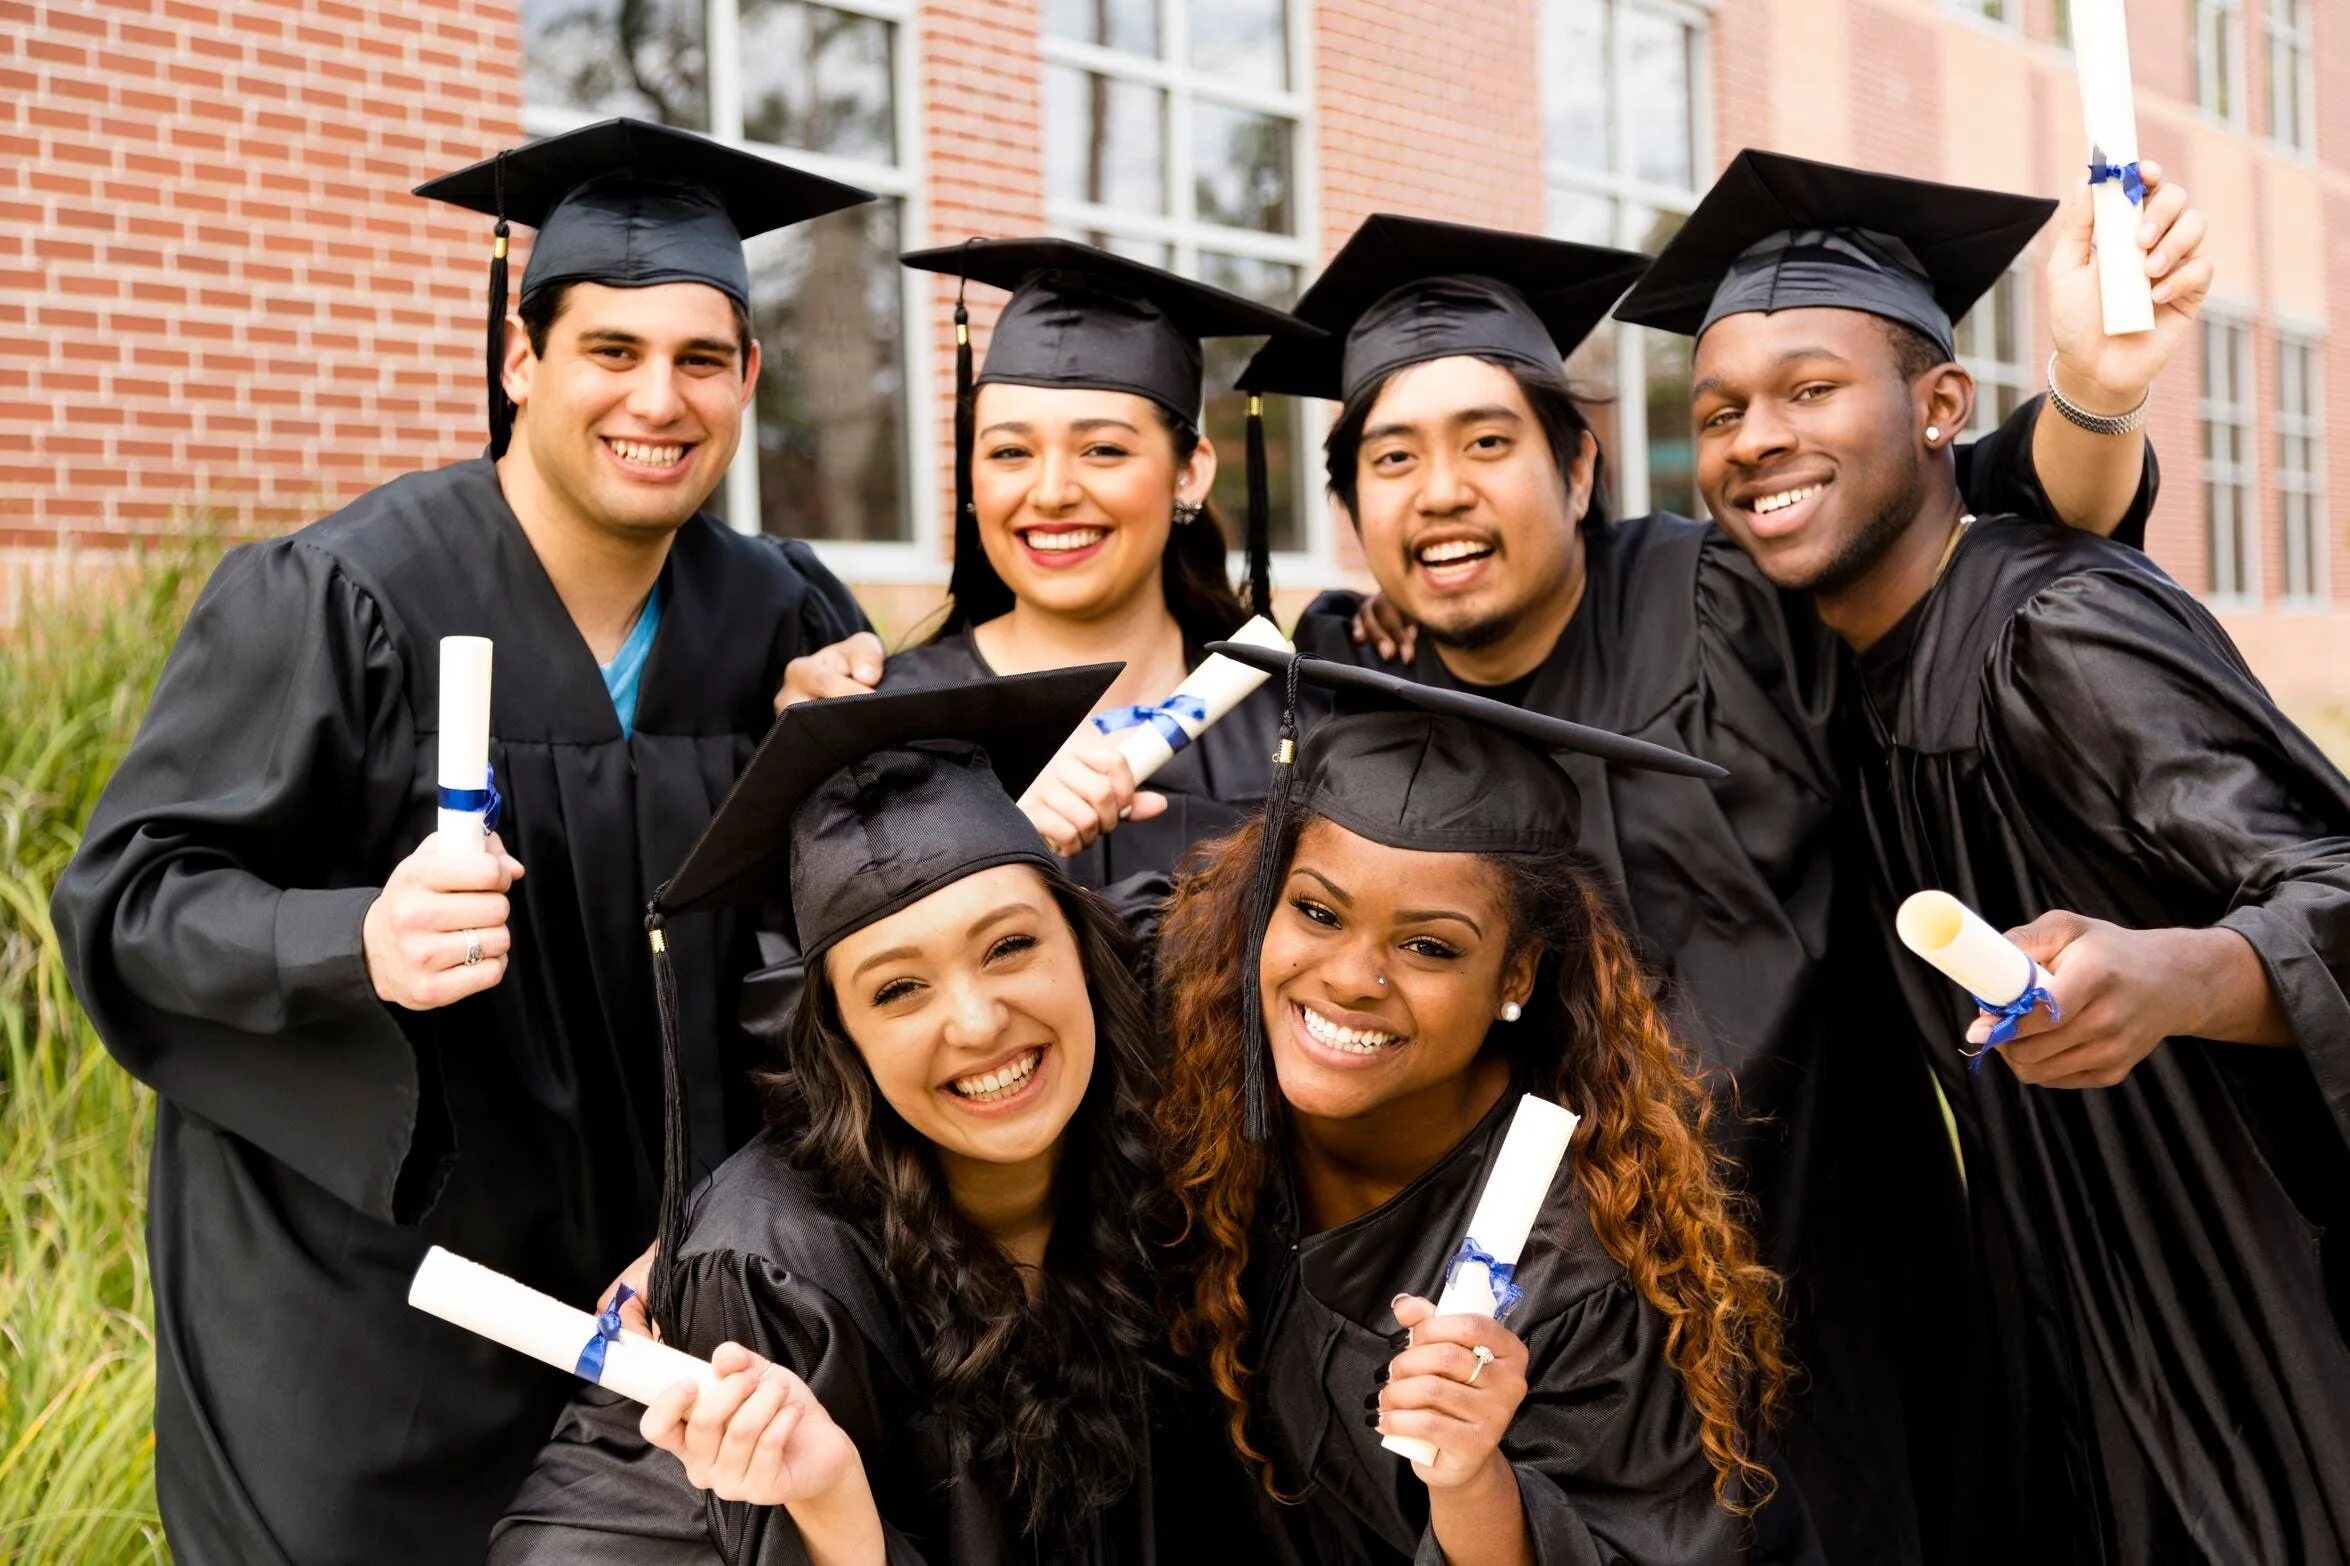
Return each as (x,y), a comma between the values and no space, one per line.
(1359,989)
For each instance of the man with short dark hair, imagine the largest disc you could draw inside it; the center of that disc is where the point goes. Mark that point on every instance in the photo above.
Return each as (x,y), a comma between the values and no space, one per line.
(364,1046)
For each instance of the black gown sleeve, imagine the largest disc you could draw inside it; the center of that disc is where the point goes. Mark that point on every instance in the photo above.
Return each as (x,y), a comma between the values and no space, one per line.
(1997,476)
(221,965)
(2137,729)
(830,611)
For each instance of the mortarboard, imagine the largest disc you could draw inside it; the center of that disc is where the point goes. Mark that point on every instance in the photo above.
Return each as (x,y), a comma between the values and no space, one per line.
(630,205)
(1782,233)
(1080,316)
(1417,767)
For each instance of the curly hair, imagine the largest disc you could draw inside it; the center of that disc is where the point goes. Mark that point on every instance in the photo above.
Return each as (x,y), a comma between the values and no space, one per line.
(1049,1395)
(1659,1200)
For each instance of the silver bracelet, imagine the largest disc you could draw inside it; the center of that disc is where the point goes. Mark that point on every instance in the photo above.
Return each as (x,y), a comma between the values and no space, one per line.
(2096,423)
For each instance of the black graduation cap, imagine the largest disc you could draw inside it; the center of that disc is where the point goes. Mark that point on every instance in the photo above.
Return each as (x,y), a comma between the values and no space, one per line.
(1782,233)
(850,810)
(629,204)
(1417,767)
(1082,316)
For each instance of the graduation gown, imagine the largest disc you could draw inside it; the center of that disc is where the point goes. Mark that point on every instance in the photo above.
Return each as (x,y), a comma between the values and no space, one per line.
(772,1266)
(312,1141)
(1213,785)
(2059,725)
(1605,1445)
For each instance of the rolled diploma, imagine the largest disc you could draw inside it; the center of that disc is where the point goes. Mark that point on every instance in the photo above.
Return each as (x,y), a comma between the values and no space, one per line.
(1219,685)
(2101,49)
(1506,1209)
(1975,957)
(493,1305)
(465,736)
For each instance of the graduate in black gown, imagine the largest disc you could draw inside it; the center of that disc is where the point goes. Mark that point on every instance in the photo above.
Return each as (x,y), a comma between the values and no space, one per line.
(258,935)
(940,1237)
(1478,490)
(1359,991)
(2053,730)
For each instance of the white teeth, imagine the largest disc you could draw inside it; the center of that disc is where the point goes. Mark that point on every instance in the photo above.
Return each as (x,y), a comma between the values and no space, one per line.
(1785,498)
(650,456)
(1071,538)
(1357,1041)
(1002,1082)
(1456,549)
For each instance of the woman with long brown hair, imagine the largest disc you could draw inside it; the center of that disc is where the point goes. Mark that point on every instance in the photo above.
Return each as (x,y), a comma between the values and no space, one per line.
(1359,988)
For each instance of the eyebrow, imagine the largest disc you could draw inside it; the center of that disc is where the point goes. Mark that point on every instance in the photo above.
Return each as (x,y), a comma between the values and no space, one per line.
(1490,413)
(1403,915)
(1020,427)
(1713,383)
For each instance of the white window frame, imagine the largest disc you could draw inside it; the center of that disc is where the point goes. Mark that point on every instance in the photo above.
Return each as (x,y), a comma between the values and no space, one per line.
(2301,39)
(2226,18)
(2020,376)
(2309,482)
(916,558)
(2009,20)
(1626,191)
(1185,235)
(2243,478)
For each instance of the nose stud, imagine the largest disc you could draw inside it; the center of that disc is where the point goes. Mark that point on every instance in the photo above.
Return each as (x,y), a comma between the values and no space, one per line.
(1382,980)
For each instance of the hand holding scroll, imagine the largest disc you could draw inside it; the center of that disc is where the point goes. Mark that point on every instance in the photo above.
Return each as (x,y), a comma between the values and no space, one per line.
(436,912)
(1086,790)
(1442,1391)
(2111,374)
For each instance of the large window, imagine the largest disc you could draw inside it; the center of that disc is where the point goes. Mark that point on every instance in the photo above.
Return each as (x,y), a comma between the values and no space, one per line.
(1175,133)
(1623,128)
(2289,54)
(827,452)
(1995,344)
(2215,39)
(2300,419)
(2229,504)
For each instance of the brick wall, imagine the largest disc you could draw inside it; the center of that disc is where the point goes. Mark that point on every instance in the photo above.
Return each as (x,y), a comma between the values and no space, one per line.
(216,294)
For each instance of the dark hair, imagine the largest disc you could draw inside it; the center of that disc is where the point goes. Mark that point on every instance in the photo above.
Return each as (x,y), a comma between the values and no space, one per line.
(1556,410)
(1192,571)
(1914,353)
(538,312)
(1050,1398)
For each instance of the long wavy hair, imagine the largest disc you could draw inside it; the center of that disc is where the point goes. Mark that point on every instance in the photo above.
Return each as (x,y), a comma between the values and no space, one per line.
(1048,1397)
(1659,1199)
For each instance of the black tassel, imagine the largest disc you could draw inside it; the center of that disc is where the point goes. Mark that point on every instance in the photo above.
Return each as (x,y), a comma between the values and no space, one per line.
(1260,514)
(676,1137)
(1256,1051)
(501,410)
(978,593)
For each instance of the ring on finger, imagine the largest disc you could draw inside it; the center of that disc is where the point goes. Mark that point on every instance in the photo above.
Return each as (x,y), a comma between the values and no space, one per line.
(472,947)
(1484,1358)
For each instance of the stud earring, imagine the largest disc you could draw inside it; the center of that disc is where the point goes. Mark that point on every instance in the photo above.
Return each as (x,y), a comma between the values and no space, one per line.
(1187,511)
(1933,433)
(1511,1011)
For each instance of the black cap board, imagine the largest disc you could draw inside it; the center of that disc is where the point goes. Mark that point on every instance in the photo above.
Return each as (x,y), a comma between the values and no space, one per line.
(1416,767)
(1082,317)
(1783,233)
(630,205)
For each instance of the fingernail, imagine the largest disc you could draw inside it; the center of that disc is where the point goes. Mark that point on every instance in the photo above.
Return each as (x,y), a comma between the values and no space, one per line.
(2147,236)
(1400,1339)
(2161,292)
(1381,1377)
(2155,263)
(1371,1420)
(1398,1300)
(1372,1401)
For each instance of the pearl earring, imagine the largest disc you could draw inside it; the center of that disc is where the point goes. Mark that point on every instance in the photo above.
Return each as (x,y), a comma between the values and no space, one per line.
(1511,1011)
(1933,433)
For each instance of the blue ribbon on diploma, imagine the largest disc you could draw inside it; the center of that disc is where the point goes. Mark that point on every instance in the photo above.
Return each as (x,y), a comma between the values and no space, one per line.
(2010,1017)
(485,799)
(2132,182)
(1160,715)
(1506,1293)
(591,1358)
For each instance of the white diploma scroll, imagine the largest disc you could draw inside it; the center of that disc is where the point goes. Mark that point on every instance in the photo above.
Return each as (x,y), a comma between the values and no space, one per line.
(2101,49)
(1531,1155)
(520,1317)
(1206,695)
(1972,955)
(465,737)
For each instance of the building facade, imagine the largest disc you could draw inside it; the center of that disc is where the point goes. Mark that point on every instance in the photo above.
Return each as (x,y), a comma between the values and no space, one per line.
(219,305)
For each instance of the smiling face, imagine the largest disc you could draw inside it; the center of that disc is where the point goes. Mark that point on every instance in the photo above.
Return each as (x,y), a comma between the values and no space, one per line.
(971,1011)
(1466,521)
(1075,491)
(1435,925)
(1811,449)
(632,409)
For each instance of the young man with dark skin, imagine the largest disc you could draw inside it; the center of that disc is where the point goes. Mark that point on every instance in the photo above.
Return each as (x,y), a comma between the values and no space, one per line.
(365,1043)
(2048,727)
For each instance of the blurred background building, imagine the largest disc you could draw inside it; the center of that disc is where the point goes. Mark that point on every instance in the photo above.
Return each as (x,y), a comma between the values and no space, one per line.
(218,302)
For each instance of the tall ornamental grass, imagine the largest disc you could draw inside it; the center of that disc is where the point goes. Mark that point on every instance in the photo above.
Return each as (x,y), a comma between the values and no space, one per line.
(77,1353)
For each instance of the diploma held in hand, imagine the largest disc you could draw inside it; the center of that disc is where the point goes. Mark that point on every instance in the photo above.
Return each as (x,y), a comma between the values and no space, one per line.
(1531,1155)
(465,743)
(1149,736)
(2101,49)
(504,1311)
(1975,957)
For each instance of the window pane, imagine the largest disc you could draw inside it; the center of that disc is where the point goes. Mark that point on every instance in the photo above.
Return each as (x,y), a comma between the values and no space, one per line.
(1130,25)
(2064,23)
(1242,41)
(1672,446)
(1226,417)
(2006,297)
(1653,230)
(1578,215)
(1656,94)
(1575,124)
(636,57)
(1240,168)
(817,79)
(1105,140)
(1148,251)
(831,405)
